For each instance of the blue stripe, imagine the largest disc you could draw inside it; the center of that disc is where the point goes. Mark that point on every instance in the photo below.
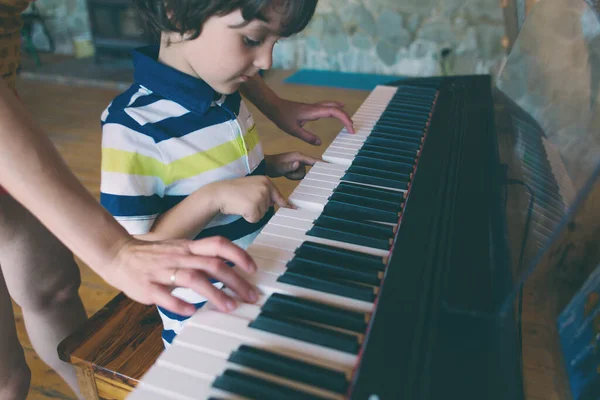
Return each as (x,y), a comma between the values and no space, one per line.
(177,317)
(172,127)
(233,102)
(145,100)
(121,101)
(176,127)
(238,228)
(168,336)
(129,206)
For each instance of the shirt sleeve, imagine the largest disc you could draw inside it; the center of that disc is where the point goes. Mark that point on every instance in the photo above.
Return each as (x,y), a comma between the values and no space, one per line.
(132,172)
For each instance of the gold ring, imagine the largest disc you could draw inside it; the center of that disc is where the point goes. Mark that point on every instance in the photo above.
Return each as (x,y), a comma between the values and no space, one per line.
(173,276)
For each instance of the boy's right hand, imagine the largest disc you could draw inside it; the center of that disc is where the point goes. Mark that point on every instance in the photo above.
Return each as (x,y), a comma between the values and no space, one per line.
(251,197)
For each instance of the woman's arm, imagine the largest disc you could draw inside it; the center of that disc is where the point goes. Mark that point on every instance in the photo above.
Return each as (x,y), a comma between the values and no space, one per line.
(34,173)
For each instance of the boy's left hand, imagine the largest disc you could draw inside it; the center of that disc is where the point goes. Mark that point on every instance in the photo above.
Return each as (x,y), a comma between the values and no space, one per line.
(291,117)
(291,165)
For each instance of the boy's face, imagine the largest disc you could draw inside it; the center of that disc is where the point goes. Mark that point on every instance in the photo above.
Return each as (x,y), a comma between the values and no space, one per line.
(227,52)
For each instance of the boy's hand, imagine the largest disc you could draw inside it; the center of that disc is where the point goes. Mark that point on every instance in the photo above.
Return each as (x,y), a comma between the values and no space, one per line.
(145,272)
(290,117)
(251,197)
(291,165)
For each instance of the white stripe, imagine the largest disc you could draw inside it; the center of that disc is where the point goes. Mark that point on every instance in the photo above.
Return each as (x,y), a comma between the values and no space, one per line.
(137,225)
(130,185)
(233,170)
(155,112)
(116,136)
(105,113)
(120,137)
(142,91)
(198,141)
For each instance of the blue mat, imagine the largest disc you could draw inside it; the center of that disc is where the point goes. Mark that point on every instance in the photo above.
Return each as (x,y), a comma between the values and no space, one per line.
(346,80)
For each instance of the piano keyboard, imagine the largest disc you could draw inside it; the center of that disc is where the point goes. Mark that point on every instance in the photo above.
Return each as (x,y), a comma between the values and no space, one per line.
(320,268)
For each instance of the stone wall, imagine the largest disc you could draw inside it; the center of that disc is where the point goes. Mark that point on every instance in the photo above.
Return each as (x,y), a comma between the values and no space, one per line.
(403,37)
(67,20)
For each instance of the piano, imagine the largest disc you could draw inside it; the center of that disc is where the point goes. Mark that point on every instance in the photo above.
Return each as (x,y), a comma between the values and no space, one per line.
(399,275)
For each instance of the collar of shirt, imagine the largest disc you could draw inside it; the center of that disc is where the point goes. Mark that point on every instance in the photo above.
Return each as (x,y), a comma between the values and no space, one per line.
(192,93)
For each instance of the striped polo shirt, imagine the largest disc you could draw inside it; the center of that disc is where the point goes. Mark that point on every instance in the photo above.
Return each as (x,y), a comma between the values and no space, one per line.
(165,137)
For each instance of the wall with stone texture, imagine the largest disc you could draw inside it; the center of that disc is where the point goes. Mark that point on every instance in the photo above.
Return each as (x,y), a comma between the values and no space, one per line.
(398,37)
(402,37)
(66,20)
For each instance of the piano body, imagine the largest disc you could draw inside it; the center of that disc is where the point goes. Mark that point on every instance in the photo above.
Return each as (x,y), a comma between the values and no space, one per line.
(400,273)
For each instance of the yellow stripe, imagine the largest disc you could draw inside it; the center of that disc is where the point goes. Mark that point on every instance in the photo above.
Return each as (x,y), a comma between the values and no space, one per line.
(127,162)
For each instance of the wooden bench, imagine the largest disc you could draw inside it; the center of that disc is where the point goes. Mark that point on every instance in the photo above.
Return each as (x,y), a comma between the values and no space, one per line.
(114,348)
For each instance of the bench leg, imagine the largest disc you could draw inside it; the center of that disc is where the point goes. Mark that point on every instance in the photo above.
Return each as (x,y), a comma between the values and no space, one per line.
(87,383)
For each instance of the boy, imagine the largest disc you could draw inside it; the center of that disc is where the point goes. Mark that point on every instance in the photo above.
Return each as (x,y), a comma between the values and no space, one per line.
(181,154)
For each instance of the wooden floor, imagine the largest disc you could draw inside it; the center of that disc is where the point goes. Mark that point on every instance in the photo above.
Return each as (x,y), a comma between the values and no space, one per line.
(70,115)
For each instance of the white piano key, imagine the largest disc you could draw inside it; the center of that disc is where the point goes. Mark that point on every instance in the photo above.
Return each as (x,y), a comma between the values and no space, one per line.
(313,191)
(268,284)
(270,253)
(209,342)
(176,385)
(338,157)
(296,238)
(209,367)
(346,144)
(229,325)
(326,175)
(143,393)
(319,184)
(302,225)
(270,265)
(307,201)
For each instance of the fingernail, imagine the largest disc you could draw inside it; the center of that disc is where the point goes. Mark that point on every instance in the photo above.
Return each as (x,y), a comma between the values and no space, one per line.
(318,142)
(230,304)
(190,310)
(253,296)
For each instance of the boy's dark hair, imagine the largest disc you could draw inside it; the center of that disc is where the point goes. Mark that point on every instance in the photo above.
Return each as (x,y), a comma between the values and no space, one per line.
(188,16)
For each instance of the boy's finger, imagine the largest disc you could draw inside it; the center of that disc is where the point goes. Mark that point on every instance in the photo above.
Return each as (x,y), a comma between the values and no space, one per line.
(331,112)
(331,103)
(305,159)
(296,175)
(307,136)
(278,198)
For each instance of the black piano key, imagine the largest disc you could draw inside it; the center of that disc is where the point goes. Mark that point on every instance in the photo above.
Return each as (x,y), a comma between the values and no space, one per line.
(335,255)
(389,196)
(370,202)
(371,180)
(256,388)
(365,228)
(349,237)
(392,125)
(386,157)
(379,172)
(294,307)
(413,105)
(405,114)
(398,137)
(273,323)
(392,143)
(341,288)
(349,272)
(349,209)
(290,368)
(390,151)
(393,166)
